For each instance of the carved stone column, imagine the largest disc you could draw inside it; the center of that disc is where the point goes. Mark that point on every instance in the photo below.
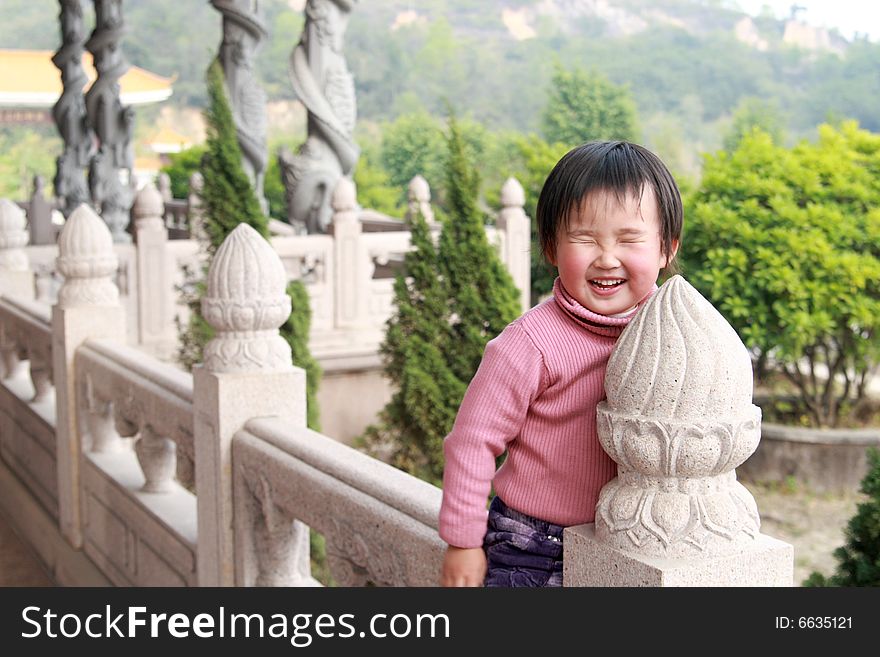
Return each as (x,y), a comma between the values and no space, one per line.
(88,307)
(322,83)
(16,277)
(678,420)
(243,32)
(155,309)
(247,373)
(69,111)
(113,124)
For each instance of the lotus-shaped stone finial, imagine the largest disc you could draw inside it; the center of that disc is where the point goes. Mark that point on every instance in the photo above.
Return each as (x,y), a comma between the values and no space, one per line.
(678,419)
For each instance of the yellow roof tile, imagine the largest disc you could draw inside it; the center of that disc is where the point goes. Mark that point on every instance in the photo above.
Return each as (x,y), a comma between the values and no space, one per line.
(28,78)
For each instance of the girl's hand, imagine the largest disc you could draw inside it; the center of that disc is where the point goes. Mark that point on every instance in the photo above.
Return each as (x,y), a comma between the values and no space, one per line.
(463,567)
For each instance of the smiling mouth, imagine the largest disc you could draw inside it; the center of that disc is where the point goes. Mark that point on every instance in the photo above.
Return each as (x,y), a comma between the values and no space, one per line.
(607,283)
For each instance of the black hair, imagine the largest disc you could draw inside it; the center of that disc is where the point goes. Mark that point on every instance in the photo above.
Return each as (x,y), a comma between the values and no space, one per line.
(619,167)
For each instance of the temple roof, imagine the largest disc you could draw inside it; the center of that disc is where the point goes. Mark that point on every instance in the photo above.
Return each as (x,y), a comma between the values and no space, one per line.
(28,78)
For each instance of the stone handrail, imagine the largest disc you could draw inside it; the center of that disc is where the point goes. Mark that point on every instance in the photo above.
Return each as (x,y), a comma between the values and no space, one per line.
(126,393)
(26,330)
(380,524)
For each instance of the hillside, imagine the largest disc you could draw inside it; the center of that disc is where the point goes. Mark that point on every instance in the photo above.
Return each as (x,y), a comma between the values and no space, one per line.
(687,63)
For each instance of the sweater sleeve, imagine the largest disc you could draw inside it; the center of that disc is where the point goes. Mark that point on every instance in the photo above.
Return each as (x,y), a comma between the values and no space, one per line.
(511,374)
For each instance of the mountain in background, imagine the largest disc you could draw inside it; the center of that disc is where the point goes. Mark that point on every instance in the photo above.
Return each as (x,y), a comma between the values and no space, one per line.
(688,64)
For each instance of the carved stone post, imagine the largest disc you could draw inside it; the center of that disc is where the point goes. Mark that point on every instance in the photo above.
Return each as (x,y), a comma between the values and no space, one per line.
(88,307)
(69,112)
(247,373)
(154,303)
(353,268)
(517,238)
(323,84)
(113,124)
(16,277)
(678,420)
(243,32)
(419,200)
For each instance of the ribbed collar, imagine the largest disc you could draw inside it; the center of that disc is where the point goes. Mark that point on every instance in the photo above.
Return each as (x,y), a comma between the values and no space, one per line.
(594,322)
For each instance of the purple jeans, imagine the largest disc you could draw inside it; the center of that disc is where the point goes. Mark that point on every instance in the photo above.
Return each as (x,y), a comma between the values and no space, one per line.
(521,550)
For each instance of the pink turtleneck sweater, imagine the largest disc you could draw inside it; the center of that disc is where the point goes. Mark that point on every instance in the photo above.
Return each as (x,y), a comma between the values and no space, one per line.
(534,395)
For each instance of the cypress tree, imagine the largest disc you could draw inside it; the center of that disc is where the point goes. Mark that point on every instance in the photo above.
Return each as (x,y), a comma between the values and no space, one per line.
(482,296)
(422,409)
(296,331)
(230,200)
(858,561)
(453,299)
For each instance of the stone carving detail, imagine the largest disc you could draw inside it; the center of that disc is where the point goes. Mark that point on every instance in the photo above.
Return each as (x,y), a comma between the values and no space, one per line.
(280,541)
(69,111)
(13,237)
(40,357)
(323,83)
(113,124)
(87,261)
(512,194)
(243,32)
(246,302)
(419,197)
(677,420)
(100,421)
(356,560)
(157,456)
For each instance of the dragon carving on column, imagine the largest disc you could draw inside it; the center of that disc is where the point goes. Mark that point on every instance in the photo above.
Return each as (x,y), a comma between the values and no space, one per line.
(243,31)
(113,124)
(69,111)
(323,84)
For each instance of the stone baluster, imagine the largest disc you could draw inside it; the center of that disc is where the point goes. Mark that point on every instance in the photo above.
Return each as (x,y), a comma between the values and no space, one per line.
(113,124)
(155,310)
(157,456)
(352,262)
(196,208)
(16,277)
(419,200)
(678,420)
(88,307)
(40,359)
(39,215)
(517,238)
(70,114)
(247,373)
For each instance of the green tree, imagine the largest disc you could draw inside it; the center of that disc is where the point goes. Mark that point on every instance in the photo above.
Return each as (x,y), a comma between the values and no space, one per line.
(451,300)
(422,409)
(181,166)
(585,105)
(483,298)
(230,200)
(786,244)
(754,113)
(296,331)
(858,561)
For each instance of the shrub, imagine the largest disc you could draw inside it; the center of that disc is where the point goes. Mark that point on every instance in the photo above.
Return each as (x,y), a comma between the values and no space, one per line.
(786,244)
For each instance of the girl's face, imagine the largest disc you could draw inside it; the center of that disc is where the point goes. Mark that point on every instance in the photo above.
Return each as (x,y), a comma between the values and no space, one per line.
(609,256)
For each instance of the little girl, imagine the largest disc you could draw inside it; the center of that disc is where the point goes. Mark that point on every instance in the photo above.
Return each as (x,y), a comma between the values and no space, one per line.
(609,218)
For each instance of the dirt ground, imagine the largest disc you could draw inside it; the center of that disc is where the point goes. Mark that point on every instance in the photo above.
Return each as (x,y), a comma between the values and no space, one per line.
(812,522)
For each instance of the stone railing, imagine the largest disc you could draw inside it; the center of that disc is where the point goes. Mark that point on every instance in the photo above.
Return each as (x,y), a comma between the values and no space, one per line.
(379,524)
(349,273)
(107,455)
